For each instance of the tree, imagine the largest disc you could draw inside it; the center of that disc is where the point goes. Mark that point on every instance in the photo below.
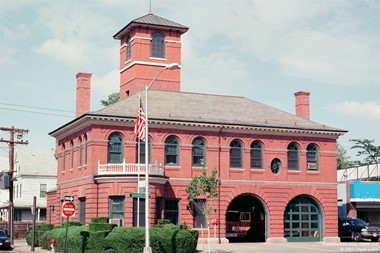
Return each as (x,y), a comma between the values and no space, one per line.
(203,188)
(343,160)
(368,149)
(112,98)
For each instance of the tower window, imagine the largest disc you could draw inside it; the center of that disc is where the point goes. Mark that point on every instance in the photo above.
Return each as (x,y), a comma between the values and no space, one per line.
(128,42)
(158,45)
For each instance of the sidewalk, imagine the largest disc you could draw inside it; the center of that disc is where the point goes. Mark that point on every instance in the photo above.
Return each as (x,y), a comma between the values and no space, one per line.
(21,246)
(295,247)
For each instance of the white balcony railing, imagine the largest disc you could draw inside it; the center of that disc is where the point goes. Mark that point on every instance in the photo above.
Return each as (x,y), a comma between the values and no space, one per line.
(129,169)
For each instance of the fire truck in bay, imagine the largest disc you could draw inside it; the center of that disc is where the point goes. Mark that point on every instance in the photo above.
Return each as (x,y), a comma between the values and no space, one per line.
(237,224)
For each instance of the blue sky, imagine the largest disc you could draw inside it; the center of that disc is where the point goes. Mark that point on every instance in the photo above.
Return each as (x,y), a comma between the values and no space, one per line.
(262,50)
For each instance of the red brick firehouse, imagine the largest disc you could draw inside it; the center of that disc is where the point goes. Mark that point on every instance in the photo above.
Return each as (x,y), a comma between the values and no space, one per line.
(277,170)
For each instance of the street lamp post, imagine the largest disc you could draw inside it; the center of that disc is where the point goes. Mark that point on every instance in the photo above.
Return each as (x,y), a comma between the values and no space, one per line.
(147,248)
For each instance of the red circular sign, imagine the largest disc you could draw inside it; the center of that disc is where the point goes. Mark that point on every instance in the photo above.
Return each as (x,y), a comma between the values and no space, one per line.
(68,209)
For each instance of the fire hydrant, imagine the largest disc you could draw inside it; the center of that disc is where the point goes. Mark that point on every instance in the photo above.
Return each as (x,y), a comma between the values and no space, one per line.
(52,245)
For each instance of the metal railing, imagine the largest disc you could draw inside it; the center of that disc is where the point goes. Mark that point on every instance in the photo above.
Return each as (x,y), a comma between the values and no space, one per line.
(360,172)
(129,169)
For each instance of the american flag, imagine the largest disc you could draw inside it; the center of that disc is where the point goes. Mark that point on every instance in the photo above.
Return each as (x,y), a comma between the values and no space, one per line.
(140,125)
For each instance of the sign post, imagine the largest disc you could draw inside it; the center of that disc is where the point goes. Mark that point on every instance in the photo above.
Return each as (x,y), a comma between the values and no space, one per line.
(68,210)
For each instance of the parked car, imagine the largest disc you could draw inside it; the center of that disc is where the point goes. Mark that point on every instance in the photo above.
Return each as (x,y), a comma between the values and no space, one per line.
(5,242)
(357,229)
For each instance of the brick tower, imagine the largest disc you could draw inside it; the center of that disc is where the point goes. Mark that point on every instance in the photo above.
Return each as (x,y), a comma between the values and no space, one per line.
(147,44)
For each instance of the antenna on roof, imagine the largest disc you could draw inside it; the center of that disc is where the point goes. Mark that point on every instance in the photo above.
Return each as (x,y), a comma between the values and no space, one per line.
(150,6)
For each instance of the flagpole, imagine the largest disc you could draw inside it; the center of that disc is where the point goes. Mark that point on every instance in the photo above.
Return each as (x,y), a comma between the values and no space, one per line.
(147,248)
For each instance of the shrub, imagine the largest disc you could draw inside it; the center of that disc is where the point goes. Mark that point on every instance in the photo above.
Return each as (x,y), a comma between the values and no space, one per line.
(71,224)
(101,226)
(122,239)
(99,220)
(40,229)
(96,242)
(163,222)
(75,242)
(166,239)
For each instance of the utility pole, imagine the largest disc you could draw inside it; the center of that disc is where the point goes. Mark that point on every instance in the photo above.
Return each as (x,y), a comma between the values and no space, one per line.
(12,142)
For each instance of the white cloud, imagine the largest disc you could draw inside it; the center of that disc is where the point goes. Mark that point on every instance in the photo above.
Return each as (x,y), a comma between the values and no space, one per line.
(71,52)
(102,86)
(323,41)
(78,35)
(329,59)
(107,83)
(370,111)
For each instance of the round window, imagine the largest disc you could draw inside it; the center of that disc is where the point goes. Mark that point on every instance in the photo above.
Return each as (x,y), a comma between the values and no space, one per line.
(275,166)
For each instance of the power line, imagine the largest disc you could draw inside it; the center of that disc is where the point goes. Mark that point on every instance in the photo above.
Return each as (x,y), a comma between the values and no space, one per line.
(35,112)
(35,107)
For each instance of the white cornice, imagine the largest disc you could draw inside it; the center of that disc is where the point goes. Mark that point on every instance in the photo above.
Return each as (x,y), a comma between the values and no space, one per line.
(143,63)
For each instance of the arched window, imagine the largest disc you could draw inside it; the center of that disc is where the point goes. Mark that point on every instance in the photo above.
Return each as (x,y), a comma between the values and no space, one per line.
(85,149)
(115,148)
(158,45)
(128,49)
(312,157)
(172,151)
(199,152)
(256,155)
(293,156)
(72,154)
(142,151)
(64,157)
(80,152)
(236,154)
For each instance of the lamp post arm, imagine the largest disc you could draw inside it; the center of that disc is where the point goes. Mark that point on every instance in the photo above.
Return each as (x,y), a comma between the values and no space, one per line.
(154,79)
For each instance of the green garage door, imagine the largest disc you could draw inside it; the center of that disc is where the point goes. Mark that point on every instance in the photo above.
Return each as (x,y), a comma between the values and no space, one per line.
(302,220)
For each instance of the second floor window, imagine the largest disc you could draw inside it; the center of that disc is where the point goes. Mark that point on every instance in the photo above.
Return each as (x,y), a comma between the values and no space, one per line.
(72,154)
(171,151)
(199,152)
(64,157)
(85,149)
(158,45)
(236,154)
(115,148)
(256,155)
(80,152)
(312,157)
(141,152)
(293,157)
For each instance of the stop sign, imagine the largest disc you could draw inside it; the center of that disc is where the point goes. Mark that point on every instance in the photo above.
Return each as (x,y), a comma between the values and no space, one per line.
(68,209)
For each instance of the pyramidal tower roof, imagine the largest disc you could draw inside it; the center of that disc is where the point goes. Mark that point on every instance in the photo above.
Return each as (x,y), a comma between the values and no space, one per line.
(151,20)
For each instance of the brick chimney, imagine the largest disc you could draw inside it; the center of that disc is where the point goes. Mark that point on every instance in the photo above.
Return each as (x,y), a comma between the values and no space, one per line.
(83,93)
(302,104)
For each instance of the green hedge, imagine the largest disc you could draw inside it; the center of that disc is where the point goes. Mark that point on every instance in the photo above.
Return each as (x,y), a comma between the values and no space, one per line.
(101,226)
(75,242)
(40,229)
(99,220)
(166,239)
